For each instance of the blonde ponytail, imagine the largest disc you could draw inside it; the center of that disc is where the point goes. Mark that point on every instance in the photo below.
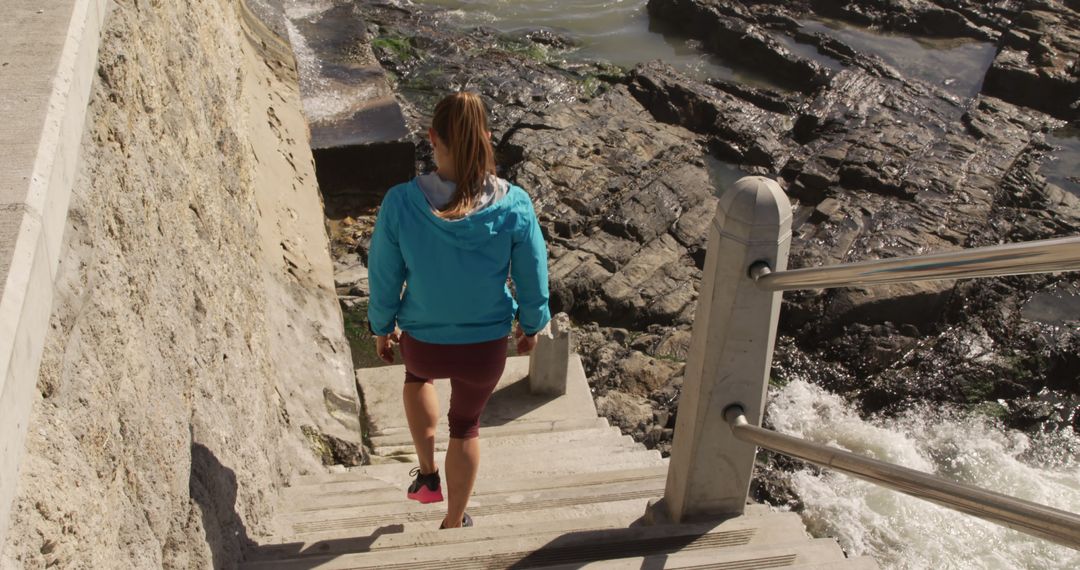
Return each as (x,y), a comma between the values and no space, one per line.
(461,122)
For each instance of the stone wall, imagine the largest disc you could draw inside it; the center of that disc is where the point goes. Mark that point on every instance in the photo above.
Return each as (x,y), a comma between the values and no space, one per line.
(195,358)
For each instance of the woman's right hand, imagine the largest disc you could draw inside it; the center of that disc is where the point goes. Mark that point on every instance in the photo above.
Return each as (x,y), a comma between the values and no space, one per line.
(525,343)
(384,346)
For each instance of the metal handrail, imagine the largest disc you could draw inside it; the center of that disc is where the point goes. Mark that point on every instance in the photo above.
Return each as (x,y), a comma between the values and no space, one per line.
(1025,516)
(1051,255)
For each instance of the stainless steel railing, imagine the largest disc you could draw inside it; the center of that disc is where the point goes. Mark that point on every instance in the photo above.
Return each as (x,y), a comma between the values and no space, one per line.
(1043,256)
(1062,254)
(1025,516)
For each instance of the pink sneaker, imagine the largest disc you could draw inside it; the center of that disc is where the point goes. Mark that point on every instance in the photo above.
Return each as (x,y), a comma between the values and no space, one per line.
(425,488)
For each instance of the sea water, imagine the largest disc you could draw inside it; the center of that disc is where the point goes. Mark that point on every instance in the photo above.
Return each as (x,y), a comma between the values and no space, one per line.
(900,531)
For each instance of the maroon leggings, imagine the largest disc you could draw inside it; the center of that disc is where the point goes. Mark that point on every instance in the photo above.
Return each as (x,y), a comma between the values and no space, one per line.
(473,370)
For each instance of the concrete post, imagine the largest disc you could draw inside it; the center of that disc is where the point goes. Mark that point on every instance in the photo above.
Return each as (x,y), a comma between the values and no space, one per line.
(550,362)
(730,353)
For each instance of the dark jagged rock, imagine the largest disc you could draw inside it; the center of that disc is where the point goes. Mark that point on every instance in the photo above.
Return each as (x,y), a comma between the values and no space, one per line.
(745,132)
(1038,66)
(883,166)
(950,19)
(624,201)
(887,168)
(728,29)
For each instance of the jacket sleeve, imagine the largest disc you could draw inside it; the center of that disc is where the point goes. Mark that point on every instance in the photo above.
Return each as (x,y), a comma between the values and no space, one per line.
(528,268)
(386,270)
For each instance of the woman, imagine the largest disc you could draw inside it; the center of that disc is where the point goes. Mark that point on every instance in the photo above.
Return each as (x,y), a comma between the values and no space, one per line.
(451,238)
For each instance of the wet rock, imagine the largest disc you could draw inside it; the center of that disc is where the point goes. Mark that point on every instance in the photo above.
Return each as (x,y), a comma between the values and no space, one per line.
(550,38)
(869,350)
(767,99)
(879,168)
(746,133)
(1040,70)
(909,303)
(1041,41)
(919,17)
(616,193)
(511,71)
(728,29)
(1041,78)
(1049,410)
(771,480)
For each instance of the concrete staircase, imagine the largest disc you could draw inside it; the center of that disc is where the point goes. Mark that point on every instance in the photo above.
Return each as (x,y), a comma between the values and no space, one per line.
(558,488)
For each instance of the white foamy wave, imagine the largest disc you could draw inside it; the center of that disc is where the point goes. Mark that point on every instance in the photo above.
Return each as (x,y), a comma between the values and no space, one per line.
(904,532)
(297,9)
(325,105)
(306,60)
(322,100)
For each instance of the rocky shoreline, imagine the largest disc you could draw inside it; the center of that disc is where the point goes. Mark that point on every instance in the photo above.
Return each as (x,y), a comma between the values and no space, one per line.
(623,166)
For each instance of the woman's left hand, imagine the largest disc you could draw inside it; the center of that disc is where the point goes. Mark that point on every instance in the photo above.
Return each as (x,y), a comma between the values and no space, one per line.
(384,346)
(525,343)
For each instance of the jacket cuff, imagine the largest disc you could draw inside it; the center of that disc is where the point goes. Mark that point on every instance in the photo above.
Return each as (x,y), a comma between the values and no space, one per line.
(377,333)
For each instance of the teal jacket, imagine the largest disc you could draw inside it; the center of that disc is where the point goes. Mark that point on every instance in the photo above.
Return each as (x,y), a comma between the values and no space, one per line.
(455,273)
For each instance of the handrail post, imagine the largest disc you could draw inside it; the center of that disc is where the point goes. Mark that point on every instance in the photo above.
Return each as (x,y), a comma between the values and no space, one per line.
(549,365)
(730,353)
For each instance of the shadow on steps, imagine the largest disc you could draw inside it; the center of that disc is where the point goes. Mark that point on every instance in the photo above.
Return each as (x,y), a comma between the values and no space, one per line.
(578,549)
(510,402)
(326,547)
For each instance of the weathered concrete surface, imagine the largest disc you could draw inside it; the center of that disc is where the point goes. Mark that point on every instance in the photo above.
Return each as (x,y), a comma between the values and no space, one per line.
(549,365)
(195,349)
(47,61)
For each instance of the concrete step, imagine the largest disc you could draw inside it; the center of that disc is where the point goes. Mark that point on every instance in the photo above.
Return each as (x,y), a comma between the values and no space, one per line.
(749,557)
(577,517)
(546,547)
(513,459)
(400,435)
(489,453)
(432,537)
(512,400)
(538,439)
(479,506)
(334,532)
(397,475)
(318,497)
(504,455)
(551,463)
(352,481)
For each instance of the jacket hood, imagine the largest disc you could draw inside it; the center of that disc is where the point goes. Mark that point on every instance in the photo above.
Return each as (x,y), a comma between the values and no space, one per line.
(470,232)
